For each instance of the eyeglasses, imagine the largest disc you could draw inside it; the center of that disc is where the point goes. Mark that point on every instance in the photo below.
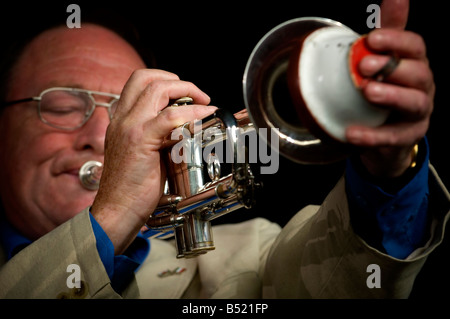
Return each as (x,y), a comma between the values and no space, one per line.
(68,108)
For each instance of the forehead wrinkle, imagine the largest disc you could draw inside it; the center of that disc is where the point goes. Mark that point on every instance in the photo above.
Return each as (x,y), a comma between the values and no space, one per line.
(87,62)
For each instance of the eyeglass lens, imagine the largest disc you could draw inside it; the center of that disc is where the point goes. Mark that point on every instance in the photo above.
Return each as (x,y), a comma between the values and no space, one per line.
(68,109)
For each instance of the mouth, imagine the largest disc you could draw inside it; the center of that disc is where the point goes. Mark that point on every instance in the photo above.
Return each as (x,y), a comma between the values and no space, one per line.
(69,170)
(73,172)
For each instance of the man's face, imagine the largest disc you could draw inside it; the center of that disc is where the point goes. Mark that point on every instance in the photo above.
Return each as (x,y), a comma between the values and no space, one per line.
(39,164)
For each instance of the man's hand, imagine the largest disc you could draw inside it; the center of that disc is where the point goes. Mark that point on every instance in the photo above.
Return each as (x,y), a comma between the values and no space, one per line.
(408,92)
(133,177)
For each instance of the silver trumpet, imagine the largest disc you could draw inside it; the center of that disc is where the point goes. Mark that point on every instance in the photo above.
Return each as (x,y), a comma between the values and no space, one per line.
(196,193)
(193,197)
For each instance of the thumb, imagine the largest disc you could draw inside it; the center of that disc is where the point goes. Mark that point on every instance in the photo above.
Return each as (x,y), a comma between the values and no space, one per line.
(394,14)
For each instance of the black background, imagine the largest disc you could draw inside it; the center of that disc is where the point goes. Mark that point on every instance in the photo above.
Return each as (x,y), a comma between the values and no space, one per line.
(209,44)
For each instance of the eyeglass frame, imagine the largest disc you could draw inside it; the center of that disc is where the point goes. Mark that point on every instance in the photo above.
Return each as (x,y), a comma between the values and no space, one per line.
(115,98)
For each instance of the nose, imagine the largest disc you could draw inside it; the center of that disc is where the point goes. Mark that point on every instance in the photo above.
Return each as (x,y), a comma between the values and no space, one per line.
(92,134)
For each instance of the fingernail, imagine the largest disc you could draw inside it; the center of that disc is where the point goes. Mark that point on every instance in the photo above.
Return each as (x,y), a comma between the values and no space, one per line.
(376,39)
(369,65)
(371,62)
(354,135)
(375,92)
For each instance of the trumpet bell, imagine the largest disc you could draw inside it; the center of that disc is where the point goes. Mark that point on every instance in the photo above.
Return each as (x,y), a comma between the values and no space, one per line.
(274,98)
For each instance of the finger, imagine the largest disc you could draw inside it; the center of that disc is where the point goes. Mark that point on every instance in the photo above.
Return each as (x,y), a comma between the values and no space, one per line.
(412,103)
(157,95)
(137,82)
(172,117)
(394,14)
(388,135)
(404,44)
(409,73)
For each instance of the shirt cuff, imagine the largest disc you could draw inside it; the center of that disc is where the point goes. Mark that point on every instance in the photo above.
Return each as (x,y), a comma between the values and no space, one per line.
(395,223)
(121,268)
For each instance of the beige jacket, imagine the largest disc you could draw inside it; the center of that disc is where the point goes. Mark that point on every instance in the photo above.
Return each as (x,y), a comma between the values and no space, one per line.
(317,255)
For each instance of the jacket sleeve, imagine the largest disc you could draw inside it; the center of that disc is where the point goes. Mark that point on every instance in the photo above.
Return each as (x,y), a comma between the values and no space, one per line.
(318,255)
(49,267)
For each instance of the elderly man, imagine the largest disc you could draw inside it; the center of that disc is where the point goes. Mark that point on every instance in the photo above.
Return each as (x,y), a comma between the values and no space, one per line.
(96,100)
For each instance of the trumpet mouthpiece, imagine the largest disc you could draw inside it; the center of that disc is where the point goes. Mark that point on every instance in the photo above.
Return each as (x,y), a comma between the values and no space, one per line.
(90,174)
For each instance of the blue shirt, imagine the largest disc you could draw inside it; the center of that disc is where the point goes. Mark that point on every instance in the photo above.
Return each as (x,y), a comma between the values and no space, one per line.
(392,218)
(392,222)
(120,268)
